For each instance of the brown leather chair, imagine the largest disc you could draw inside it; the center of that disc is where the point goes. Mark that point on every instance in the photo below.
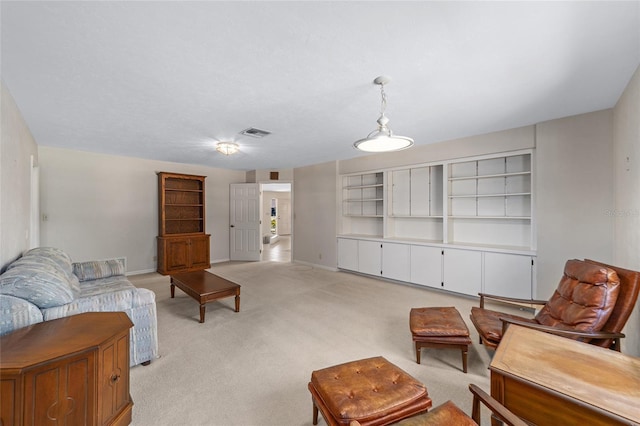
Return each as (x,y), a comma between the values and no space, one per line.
(449,414)
(592,304)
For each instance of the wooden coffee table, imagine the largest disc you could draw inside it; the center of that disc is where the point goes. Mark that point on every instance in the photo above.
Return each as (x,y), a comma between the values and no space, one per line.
(205,287)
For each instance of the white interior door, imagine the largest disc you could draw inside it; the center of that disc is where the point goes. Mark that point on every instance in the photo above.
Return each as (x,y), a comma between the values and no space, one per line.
(244,219)
(284,216)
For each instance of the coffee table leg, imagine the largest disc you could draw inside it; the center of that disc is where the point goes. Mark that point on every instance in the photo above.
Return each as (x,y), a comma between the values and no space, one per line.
(238,302)
(202,310)
(465,349)
(173,289)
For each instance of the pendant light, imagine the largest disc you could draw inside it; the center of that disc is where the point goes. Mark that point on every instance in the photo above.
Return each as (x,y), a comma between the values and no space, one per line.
(227,148)
(382,139)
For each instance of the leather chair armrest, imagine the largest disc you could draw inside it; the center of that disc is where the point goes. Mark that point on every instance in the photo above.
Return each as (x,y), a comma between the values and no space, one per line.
(498,410)
(512,300)
(564,333)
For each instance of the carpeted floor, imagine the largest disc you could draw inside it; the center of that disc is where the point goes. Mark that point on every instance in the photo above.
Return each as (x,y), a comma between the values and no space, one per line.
(252,367)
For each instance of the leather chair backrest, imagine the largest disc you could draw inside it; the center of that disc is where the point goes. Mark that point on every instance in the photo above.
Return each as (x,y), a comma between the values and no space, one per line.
(629,289)
(585,297)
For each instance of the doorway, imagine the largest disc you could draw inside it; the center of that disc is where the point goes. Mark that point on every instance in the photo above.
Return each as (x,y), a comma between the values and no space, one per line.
(276,222)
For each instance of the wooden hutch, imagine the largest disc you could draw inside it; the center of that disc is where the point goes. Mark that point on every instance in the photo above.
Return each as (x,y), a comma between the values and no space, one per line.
(183,244)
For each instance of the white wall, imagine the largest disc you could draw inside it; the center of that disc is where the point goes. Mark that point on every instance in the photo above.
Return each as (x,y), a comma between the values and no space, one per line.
(314,215)
(574,190)
(16,150)
(100,206)
(626,214)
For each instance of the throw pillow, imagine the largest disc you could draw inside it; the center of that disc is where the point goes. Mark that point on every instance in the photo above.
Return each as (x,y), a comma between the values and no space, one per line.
(97,269)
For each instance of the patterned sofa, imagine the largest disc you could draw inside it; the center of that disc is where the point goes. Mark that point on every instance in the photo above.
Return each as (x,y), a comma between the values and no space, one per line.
(44,285)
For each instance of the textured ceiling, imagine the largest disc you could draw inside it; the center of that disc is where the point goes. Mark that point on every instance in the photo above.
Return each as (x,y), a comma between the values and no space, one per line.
(167,80)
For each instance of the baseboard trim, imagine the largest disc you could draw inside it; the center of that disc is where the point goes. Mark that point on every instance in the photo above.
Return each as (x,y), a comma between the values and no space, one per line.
(140,272)
(315,265)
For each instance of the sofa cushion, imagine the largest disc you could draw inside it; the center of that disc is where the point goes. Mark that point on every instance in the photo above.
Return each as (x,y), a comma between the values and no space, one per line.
(34,260)
(97,269)
(17,313)
(103,295)
(584,298)
(55,257)
(38,282)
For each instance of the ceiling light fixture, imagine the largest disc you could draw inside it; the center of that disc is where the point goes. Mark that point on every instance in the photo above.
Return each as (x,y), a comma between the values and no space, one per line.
(382,139)
(227,148)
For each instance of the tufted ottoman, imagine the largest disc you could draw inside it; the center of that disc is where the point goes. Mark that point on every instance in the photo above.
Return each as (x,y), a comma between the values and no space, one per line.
(372,391)
(439,328)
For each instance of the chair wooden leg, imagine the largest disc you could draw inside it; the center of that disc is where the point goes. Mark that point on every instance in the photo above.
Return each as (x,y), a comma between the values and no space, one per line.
(315,413)
(475,409)
(417,352)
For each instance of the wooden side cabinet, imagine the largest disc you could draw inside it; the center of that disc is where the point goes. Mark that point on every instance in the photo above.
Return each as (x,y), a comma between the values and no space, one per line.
(183,253)
(72,371)
(182,243)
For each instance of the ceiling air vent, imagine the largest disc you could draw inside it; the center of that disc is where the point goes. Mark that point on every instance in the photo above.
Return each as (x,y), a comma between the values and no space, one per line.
(255,133)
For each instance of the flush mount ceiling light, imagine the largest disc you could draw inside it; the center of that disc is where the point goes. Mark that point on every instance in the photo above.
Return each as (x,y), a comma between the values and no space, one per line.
(382,139)
(227,148)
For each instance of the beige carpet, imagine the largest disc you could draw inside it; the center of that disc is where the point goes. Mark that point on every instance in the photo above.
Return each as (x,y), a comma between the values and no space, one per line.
(252,367)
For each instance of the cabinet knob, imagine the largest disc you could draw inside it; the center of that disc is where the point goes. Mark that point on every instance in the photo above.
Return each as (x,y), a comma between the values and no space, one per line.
(115,378)
(233,226)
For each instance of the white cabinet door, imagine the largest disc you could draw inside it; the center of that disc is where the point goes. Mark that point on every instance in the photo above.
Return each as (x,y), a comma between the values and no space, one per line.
(370,257)
(462,271)
(400,195)
(396,261)
(420,191)
(508,275)
(348,254)
(426,266)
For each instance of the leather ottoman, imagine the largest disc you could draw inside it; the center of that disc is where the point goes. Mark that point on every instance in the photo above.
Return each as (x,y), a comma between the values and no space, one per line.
(372,391)
(439,328)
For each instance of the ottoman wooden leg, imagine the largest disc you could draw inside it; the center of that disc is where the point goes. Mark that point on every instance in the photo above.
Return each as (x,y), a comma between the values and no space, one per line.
(315,412)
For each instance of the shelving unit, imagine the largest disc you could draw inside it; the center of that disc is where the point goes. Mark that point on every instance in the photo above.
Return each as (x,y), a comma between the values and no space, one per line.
(489,201)
(415,206)
(182,242)
(183,202)
(416,192)
(491,188)
(363,195)
(451,225)
(363,203)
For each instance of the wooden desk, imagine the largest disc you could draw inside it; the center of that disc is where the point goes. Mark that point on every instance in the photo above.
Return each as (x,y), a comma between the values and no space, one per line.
(551,380)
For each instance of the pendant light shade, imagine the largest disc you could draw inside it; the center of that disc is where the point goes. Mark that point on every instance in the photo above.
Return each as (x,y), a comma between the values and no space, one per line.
(382,139)
(227,148)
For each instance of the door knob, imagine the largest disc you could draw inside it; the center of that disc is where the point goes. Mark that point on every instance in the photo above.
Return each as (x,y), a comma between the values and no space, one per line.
(233,226)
